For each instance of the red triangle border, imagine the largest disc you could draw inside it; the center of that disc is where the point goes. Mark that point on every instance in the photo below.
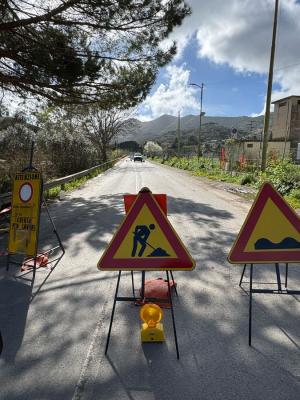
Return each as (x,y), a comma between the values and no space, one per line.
(183,261)
(237,254)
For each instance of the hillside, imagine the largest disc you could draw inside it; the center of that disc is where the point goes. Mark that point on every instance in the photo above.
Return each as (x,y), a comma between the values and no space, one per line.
(215,127)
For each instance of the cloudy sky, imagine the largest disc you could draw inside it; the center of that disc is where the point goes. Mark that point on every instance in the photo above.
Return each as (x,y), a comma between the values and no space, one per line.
(226,45)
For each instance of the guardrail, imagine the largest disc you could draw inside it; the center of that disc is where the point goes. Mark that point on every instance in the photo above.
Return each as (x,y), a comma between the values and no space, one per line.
(5,197)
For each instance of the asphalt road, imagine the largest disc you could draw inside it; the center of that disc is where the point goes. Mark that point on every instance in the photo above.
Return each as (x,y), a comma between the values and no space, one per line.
(54,345)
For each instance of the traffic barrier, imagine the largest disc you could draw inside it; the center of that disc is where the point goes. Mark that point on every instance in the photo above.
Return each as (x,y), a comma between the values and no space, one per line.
(5,198)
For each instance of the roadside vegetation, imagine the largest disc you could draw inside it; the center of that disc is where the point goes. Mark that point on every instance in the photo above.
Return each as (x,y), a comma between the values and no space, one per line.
(78,69)
(283,174)
(64,144)
(77,183)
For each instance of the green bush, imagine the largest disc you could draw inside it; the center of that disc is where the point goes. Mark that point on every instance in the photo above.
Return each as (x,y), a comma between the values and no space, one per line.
(247,179)
(295,193)
(52,193)
(284,175)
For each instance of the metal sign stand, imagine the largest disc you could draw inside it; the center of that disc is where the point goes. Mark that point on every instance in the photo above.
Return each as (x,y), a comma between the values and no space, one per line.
(45,253)
(159,261)
(142,298)
(279,290)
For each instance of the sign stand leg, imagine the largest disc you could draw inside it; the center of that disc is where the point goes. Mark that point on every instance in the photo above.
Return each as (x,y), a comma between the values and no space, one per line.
(112,313)
(33,272)
(174,286)
(1,343)
(243,273)
(7,261)
(286,274)
(173,317)
(278,276)
(250,305)
(132,284)
(143,286)
(53,226)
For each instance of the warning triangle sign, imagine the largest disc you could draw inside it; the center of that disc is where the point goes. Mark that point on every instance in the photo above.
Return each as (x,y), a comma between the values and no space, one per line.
(270,233)
(146,240)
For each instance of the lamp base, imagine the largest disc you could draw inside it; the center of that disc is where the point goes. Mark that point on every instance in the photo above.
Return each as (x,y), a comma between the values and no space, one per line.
(155,334)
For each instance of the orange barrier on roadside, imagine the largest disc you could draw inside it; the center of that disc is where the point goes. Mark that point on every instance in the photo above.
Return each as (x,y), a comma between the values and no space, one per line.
(157,288)
(129,199)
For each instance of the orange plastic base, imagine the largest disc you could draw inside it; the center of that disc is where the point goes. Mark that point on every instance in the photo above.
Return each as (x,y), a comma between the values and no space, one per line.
(157,288)
(41,261)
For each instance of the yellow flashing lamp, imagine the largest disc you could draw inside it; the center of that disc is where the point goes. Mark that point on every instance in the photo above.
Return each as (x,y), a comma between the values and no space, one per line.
(152,330)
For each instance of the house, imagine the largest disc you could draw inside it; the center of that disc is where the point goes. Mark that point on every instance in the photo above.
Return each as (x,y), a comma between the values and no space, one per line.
(284,139)
(286,122)
(249,150)
(252,149)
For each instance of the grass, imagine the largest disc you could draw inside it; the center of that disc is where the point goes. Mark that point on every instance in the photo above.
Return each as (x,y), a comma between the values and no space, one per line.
(52,193)
(284,175)
(74,184)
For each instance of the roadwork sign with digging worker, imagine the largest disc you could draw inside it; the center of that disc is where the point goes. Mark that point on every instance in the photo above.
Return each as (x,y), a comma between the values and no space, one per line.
(141,235)
(146,240)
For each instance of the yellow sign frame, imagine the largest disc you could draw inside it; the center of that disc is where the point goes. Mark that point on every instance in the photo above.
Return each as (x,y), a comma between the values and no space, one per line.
(25,213)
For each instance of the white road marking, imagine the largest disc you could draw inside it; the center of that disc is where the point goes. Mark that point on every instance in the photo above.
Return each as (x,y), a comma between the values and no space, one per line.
(83,378)
(136,179)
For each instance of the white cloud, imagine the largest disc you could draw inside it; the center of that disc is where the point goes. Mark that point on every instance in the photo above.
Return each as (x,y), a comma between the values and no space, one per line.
(144,118)
(238,33)
(254,115)
(172,97)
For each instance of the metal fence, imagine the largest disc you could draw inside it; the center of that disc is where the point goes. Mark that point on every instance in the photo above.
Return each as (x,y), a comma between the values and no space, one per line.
(6,197)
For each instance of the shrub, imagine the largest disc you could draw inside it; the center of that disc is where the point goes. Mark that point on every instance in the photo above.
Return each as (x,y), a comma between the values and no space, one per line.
(247,179)
(295,193)
(284,175)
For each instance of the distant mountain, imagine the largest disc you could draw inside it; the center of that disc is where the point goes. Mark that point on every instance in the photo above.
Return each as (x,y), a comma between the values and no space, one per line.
(167,124)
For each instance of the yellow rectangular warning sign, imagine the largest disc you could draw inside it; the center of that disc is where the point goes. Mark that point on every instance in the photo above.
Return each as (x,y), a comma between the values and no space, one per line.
(25,213)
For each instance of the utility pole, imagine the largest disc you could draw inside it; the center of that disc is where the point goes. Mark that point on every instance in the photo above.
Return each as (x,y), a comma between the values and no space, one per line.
(251,123)
(200,122)
(200,117)
(178,134)
(269,92)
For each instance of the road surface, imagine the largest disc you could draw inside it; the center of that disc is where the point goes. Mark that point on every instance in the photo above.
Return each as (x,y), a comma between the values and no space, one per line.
(54,346)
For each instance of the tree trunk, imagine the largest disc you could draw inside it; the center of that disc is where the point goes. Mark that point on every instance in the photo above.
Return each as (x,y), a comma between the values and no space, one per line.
(103,154)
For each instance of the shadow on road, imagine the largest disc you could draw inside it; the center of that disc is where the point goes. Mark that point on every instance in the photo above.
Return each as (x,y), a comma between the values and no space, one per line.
(215,363)
(14,303)
(211,315)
